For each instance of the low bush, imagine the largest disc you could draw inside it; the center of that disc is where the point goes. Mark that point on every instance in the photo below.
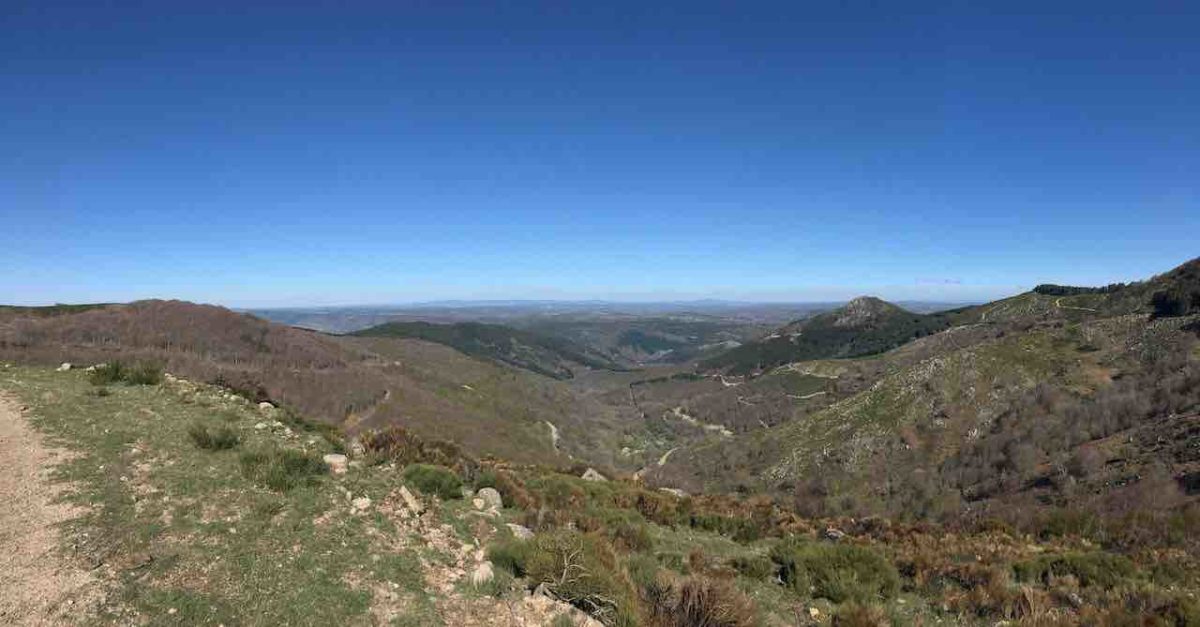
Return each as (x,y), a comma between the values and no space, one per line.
(1095,568)
(282,469)
(511,555)
(704,602)
(856,615)
(435,480)
(213,439)
(754,566)
(583,570)
(838,572)
(137,373)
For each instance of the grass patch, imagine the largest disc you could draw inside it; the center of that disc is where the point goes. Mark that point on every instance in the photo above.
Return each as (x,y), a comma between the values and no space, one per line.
(282,469)
(838,572)
(136,373)
(511,555)
(1091,569)
(213,438)
(436,480)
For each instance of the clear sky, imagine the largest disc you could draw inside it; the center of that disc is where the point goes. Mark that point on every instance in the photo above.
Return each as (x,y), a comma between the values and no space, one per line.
(350,152)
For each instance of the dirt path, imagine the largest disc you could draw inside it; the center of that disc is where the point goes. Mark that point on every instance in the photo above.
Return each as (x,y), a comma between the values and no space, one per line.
(38,585)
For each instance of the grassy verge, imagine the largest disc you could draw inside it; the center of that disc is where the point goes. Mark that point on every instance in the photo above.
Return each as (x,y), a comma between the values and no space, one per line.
(197,517)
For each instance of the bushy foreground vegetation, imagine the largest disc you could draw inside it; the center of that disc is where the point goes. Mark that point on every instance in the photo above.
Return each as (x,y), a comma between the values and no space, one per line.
(136,373)
(633,556)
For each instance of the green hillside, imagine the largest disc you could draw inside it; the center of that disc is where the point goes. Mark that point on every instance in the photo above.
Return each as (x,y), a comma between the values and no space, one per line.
(551,356)
(865,326)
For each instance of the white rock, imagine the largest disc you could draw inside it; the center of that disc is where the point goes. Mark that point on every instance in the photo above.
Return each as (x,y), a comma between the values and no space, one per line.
(591,475)
(520,532)
(260,426)
(66,365)
(265,405)
(410,500)
(482,574)
(491,497)
(478,503)
(338,464)
(675,491)
(360,504)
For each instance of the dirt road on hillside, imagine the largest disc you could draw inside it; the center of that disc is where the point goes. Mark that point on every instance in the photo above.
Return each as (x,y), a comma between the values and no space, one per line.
(38,584)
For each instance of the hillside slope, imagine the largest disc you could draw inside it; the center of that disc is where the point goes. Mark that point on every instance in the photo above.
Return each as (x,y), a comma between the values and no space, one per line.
(864,326)
(362,383)
(1044,400)
(551,356)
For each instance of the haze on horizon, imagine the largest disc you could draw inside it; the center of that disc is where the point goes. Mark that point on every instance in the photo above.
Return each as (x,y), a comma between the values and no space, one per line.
(316,155)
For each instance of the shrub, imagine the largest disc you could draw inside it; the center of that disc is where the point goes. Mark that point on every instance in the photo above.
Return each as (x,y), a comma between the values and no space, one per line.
(436,480)
(511,555)
(216,439)
(754,566)
(138,373)
(855,615)
(704,602)
(838,572)
(282,469)
(632,536)
(1095,568)
(583,570)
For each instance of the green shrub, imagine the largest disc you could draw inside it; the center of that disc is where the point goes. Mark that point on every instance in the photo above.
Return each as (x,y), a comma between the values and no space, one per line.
(754,566)
(437,480)
(583,570)
(282,469)
(486,479)
(215,439)
(511,555)
(838,572)
(1095,568)
(138,373)
(632,536)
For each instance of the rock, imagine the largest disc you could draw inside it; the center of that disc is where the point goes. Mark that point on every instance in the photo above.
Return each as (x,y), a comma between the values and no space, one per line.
(66,365)
(591,475)
(520,532)
(675,491)
(411,501)
(482,574)
(357,449)
(814,613)
(491,497)
(360,504)
(265,405)
(338,464)
(832,533)
(478,503)
(260,426)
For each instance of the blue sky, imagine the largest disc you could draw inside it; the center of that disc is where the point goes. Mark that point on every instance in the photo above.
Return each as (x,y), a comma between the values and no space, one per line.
(332,153)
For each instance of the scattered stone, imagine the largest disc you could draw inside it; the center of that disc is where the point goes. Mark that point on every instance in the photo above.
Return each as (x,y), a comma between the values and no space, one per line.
(266,406)
(835,534)
(520,532)
(66,365)
(675,491)
(360,504)
(491,497)
(338,464)
(482,574)
(591,475)
(411,501)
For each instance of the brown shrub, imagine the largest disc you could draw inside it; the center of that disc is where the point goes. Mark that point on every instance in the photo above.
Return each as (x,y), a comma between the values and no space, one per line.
(701,602)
